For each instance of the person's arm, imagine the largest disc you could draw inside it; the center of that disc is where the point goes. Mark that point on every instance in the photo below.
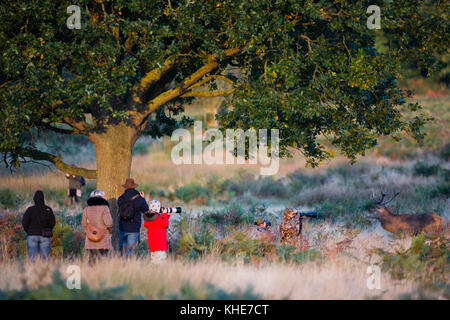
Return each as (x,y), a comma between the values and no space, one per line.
(26,220)
(84,219)
(165,220)
(107,220)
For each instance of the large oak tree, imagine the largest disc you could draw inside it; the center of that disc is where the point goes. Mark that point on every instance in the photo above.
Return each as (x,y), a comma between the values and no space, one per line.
(310,69)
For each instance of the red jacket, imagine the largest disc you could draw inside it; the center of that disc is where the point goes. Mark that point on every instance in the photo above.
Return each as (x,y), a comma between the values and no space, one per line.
(156,232)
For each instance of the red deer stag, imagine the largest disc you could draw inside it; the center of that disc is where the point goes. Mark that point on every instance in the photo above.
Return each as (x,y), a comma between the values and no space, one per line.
(410,224)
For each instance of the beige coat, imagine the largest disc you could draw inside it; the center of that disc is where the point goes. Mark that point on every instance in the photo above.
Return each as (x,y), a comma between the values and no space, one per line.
(99,216)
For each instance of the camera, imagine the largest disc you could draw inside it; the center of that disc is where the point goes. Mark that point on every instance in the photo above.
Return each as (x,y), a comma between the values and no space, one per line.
(170,210)
(150,216)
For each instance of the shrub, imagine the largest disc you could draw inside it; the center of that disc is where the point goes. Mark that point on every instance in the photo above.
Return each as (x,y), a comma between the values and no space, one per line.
(57,290)
(238,243)
(426,260)
(8,199)
(12,237)
(300,181)
(424,169)
(233,214)
(193,244)
(66,241)
(291,254)
(190,192)
(269,187)
(211,292)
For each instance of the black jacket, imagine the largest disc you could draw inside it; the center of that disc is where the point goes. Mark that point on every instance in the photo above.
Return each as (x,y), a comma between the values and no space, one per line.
(38,216)
(140,206)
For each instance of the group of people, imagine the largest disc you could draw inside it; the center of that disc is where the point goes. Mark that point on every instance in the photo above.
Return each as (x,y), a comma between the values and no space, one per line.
(38,222)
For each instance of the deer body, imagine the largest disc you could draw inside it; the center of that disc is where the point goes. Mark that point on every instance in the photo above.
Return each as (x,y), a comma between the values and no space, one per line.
(411,224)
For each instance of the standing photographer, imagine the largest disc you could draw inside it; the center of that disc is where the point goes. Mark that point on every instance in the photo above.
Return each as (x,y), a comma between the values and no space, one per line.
(157,223)
(131,205)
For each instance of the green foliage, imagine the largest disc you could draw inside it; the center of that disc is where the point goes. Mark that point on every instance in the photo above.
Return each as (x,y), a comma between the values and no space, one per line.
(424,169)
(66,241)
(190,192)
(9,199)
(211,292)
(309,69)
(233,214)
(57,290)
(290,254)
(427,260)
(194,242)
(239,244)
(12,235)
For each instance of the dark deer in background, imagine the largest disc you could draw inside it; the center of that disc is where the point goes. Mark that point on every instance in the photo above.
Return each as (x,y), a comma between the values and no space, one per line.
(411,224)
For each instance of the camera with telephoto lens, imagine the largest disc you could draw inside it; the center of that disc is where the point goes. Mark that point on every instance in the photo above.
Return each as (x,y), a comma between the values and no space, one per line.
(150,216)
(170,210)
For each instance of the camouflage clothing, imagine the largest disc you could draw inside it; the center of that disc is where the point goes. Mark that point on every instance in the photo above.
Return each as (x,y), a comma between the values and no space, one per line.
(288,228)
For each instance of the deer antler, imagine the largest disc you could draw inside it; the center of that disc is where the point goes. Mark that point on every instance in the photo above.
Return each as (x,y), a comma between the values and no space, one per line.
(396,193)
(383,195)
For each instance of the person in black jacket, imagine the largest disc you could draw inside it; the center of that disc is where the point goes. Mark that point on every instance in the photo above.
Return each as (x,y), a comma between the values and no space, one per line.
(129,230)
(38,222)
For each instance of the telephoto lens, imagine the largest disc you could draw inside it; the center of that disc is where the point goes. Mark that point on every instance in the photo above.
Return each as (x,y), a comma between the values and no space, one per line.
(171,210)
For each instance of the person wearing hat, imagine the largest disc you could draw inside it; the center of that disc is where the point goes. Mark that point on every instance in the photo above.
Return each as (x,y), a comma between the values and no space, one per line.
(263,230)
(98,223)
(129,229)
(38,222)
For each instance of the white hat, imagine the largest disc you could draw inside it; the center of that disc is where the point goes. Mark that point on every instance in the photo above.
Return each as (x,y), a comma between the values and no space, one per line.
(98,193)
(155,205)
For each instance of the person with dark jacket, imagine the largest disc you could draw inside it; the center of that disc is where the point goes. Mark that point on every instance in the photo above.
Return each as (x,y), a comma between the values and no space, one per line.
(129,230)
(38,222)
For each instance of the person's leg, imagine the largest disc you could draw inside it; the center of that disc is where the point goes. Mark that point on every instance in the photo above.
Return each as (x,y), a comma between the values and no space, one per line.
(44,246)
(32,247)
(131,243)
(93,256)
(121,241)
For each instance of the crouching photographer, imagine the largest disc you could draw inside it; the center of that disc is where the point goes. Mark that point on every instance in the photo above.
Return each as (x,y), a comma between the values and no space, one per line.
(157,222)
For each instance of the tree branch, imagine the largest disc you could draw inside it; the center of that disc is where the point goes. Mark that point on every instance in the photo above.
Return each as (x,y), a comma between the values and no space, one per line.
(171,94)
(56,160)
(207,94)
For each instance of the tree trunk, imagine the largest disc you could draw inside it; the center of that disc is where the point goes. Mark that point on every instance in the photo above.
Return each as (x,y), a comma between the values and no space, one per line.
(113,150)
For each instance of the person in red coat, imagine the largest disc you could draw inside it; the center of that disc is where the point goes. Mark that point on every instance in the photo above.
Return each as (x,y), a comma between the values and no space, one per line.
(157,232)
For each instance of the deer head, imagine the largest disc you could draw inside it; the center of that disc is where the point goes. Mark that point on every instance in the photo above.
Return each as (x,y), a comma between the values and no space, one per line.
(380,208)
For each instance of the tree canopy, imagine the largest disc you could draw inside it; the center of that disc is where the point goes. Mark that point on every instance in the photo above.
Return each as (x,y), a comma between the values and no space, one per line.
(310,69)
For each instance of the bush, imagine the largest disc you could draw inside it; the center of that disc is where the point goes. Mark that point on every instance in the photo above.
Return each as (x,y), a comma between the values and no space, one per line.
(66,241)
(12,237)
(190,192)
(57,290)
(269,187)
(239,244)
(8,199)
(211,292)
(290,254)
(424,169)
(426,260)
(194,243)
(233,215)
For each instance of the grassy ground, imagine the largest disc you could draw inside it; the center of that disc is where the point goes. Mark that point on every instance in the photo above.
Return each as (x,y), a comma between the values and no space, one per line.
(211,253)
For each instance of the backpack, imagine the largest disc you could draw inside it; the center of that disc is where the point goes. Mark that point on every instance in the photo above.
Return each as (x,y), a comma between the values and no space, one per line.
(83,182)
(126,209)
